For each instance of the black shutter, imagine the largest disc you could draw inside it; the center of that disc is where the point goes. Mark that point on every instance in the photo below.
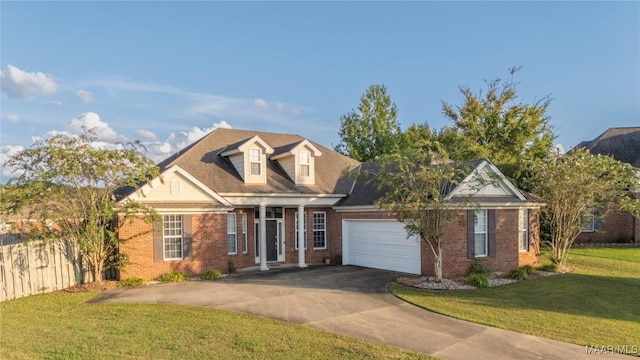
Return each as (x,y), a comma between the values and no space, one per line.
(187,236)
(470,234)
(491,224)
(158,247)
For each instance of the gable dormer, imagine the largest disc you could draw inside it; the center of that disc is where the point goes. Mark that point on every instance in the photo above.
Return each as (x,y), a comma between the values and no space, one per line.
(298,161)
(249,157)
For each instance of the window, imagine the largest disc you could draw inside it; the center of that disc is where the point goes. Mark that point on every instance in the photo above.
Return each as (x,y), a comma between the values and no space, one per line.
(480,233)
(319,230)
(589,223)
(232,243)
(245,244)
(305,231)
(172,236)
(255,161)
(304,163)
(523,229)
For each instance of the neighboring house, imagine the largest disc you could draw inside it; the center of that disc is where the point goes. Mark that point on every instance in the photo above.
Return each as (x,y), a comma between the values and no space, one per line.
(236,199)
(623,144)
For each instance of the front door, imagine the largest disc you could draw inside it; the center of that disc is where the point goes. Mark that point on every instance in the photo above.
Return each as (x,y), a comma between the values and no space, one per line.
(272,240)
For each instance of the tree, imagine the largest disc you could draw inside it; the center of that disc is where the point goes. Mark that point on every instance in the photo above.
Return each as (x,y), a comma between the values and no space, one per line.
(67,185)
(577,186)
(373,130)
(415,184)
(494,125)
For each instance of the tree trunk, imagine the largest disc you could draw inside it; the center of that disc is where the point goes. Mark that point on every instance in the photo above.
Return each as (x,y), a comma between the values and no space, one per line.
(96,271)
(438,263)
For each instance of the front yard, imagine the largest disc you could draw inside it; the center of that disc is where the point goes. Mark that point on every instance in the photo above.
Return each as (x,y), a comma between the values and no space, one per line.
(62,325)
(597,304)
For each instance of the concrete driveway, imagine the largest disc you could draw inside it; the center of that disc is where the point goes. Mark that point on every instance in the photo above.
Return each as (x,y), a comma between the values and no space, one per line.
(352,301)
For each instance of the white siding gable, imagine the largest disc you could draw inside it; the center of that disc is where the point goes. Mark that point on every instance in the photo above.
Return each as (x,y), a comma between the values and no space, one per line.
(166,192)
(241,158)
(292,163)
(486,181)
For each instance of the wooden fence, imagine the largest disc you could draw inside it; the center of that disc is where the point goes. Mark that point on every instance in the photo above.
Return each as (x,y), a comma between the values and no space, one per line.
(32,268)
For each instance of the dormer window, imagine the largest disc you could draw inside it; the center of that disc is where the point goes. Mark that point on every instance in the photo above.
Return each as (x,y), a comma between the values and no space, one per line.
(304,163)
(255,160)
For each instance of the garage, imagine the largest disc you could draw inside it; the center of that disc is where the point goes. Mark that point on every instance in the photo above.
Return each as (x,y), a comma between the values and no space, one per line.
(380,244)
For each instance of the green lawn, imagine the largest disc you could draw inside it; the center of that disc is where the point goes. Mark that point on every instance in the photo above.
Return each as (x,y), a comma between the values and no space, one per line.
(62,326)
(597,304)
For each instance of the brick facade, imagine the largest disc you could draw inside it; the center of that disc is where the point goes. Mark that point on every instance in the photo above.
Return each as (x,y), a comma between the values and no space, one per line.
(617,227)
(209,244)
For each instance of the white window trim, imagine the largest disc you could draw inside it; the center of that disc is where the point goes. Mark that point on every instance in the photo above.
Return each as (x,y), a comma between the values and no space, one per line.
(324,229)
(165,237)
(589,225)
(232,231)
(307,163)
(245,243)
(259,162)
(305,230)
(485,232)
(523,227)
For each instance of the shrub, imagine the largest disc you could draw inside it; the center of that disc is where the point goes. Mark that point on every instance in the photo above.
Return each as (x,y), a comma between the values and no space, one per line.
(132,282)
(517,274)
(173,276)
(478,268)
(548,267)
(528,269)
(211,274)
(479,280)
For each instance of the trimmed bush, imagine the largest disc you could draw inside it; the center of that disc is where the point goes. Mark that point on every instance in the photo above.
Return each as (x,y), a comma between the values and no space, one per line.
(517,274)
(478,280)
(478,268)
(528,269)
(211,274)
(548,267)
(132,282)
(173,276)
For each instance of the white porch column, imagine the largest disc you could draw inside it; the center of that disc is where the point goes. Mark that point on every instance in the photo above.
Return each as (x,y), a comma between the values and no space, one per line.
(262,224)
(301,237)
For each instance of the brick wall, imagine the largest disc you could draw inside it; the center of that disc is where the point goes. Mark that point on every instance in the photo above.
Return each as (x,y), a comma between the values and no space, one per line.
(313,256)
(209,248)
(532,257)
(617,226)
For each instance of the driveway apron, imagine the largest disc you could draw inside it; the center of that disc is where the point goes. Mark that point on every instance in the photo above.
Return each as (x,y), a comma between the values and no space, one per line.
(352,301)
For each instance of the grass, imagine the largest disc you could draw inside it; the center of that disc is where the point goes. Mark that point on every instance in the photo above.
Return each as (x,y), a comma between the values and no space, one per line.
(62,325)
(597,304)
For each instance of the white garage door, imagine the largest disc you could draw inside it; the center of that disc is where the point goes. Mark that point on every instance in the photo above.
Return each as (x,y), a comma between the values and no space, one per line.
(380,244)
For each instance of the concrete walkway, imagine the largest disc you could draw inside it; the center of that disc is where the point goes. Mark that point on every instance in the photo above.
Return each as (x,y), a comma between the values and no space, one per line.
(352,301)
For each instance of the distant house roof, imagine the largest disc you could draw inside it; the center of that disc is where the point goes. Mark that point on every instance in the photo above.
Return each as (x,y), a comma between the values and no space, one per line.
(621,143)
(205,161)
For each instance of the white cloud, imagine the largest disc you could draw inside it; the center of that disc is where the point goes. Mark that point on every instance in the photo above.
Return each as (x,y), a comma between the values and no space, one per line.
(91,121)
(20,84)
(6,151)
(558,149)
(159,150)
(260,102)
(84,96)
(146,134)
(54,103)
(12,117)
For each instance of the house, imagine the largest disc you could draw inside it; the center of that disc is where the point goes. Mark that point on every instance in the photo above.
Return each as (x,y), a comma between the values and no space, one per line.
(237,199)
(623,144)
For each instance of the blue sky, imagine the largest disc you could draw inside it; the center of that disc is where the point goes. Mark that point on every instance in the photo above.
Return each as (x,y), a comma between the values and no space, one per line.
(168,72)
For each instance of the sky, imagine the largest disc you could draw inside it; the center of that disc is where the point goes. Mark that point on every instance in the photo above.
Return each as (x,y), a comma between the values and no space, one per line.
(167,73)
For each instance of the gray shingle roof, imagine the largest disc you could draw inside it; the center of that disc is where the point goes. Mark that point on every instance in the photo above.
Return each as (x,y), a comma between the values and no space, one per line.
(621,143)
(203,161)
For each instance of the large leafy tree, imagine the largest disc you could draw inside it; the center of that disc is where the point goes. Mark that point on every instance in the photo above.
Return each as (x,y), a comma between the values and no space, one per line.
(579,185)
(494,124)
(373,129)
(415,183)
(67,184)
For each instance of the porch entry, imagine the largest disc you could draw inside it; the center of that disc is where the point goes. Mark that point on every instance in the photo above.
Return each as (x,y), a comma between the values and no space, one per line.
(274,237)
